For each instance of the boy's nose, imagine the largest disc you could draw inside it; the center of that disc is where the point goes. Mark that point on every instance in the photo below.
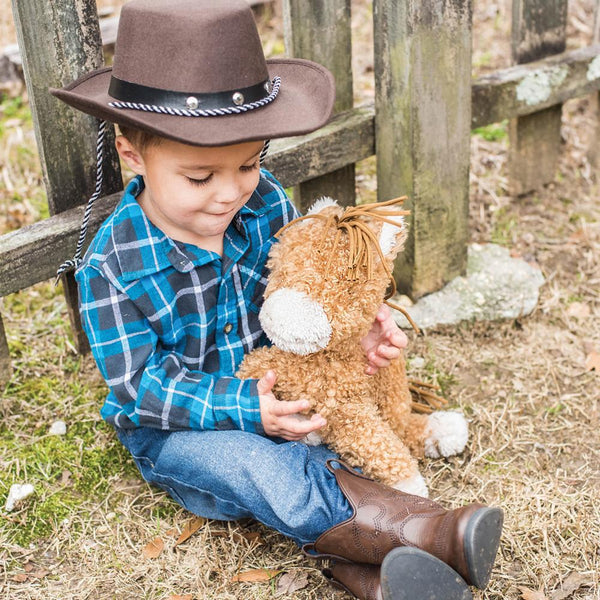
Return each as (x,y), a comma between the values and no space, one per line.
(230,191)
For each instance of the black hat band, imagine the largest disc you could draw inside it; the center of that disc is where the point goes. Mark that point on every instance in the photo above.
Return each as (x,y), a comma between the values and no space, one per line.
(141,97)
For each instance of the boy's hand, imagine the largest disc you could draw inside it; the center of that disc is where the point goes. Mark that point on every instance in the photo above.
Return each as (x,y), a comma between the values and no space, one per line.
(384,342)
(280,418)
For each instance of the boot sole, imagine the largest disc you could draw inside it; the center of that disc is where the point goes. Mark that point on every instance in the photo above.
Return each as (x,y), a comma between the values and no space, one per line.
(411,574)
(482,538)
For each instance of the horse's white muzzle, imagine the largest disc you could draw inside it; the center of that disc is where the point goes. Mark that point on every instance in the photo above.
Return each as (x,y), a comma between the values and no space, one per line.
(294,322)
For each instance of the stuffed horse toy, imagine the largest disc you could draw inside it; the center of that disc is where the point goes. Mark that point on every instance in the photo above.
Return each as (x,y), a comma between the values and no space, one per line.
(328,276)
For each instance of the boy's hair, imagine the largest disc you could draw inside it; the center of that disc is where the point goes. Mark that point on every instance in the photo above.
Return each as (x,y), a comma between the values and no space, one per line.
(142,140)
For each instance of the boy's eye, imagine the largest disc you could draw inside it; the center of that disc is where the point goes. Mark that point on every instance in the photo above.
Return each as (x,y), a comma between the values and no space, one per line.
(252,167)
(199,181)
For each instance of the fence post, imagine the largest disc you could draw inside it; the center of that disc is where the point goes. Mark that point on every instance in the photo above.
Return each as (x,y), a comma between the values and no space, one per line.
(422,132)
(319,30)
(594,150)
(538,30)
(60,40)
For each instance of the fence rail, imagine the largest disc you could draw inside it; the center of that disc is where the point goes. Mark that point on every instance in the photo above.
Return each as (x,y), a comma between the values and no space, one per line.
(417,85)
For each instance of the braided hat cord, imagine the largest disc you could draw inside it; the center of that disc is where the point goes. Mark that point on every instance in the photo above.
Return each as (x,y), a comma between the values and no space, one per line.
(73,263)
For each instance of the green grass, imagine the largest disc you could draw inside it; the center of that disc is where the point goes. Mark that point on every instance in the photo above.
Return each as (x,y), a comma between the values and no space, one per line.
(494,132)
(14,108)
(67,471)
(71,474)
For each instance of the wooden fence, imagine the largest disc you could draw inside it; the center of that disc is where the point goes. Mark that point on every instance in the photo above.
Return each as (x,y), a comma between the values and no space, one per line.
(419,126)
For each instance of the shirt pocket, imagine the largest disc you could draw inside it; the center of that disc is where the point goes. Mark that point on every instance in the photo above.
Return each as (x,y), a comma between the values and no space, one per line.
(254,291)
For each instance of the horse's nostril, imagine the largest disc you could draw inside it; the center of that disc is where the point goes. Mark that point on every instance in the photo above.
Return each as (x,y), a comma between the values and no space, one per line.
(294,322)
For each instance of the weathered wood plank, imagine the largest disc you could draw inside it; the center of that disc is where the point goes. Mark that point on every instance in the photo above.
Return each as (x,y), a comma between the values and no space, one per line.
(594,149)
(59,41)
(423,122)
(5,364)
(524,89)
(35,251)
(320,31)
(539,29)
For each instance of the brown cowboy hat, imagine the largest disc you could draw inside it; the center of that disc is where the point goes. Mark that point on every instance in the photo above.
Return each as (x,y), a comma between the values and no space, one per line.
(194,71)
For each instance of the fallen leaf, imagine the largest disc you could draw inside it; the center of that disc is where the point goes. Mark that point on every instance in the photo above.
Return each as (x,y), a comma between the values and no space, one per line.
(252,537)
(255,576)
(40,573)
(577,236)
(529,594)
(153,548)
(20,578)
(579,310)
(573,582)
(291,582)
(592,361)
(178,597)
(190,529)
(219,533)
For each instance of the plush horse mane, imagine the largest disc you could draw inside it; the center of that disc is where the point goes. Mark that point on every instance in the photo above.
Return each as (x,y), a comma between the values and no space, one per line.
(364,244)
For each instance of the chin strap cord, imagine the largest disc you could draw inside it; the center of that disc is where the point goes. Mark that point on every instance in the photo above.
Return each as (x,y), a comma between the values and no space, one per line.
(73,263)
(264,152)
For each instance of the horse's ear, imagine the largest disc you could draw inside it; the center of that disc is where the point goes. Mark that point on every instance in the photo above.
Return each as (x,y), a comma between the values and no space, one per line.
(320,204)
(392,236)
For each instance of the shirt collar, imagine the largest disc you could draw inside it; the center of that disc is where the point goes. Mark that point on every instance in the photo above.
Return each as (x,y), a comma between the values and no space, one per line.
(143,249)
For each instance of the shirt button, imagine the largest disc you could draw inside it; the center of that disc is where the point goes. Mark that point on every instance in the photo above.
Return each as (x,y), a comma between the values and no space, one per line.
(228,327)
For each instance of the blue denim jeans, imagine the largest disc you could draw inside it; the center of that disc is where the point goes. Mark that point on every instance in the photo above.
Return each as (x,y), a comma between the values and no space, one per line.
(229,475)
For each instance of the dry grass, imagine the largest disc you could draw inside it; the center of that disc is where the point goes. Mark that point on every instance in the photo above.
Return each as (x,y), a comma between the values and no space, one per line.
(533,407)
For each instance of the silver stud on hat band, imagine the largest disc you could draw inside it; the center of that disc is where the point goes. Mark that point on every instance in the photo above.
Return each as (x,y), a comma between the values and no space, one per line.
(192,102)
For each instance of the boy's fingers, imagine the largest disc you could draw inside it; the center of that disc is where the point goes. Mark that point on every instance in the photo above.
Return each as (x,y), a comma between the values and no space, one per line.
(387,352)
(266,382)
(397,339)
(383,313)
(379,359)
(283,408)
(302,427)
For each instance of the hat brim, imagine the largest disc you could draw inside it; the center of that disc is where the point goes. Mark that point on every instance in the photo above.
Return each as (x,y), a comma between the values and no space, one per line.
(304,103)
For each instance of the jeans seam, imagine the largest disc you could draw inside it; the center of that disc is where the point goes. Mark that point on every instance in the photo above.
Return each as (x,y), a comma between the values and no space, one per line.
(169,478)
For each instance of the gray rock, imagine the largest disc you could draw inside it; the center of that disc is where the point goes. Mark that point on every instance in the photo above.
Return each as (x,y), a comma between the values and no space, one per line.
(496,286)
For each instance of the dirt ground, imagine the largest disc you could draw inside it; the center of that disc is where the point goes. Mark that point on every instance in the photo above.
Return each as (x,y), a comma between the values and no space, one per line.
(526,386)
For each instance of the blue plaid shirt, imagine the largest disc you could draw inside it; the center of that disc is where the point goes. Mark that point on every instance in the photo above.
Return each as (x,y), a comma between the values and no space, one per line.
(169,323)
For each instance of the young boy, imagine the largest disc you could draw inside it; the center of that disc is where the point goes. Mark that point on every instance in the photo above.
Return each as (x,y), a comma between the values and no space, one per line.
(170,290)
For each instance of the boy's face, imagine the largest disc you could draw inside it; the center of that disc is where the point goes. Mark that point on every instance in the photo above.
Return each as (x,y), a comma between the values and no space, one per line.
(192,193)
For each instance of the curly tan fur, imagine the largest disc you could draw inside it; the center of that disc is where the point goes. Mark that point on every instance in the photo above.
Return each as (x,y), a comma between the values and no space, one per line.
(369,418)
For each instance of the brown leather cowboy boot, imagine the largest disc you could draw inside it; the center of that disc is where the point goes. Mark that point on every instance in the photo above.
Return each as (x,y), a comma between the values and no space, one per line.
(406,574)
(465,538)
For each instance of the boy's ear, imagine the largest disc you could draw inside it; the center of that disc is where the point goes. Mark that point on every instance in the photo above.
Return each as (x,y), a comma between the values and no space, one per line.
(130,155)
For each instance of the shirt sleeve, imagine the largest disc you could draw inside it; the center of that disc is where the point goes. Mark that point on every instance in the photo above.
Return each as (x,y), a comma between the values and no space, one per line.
(150,385)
